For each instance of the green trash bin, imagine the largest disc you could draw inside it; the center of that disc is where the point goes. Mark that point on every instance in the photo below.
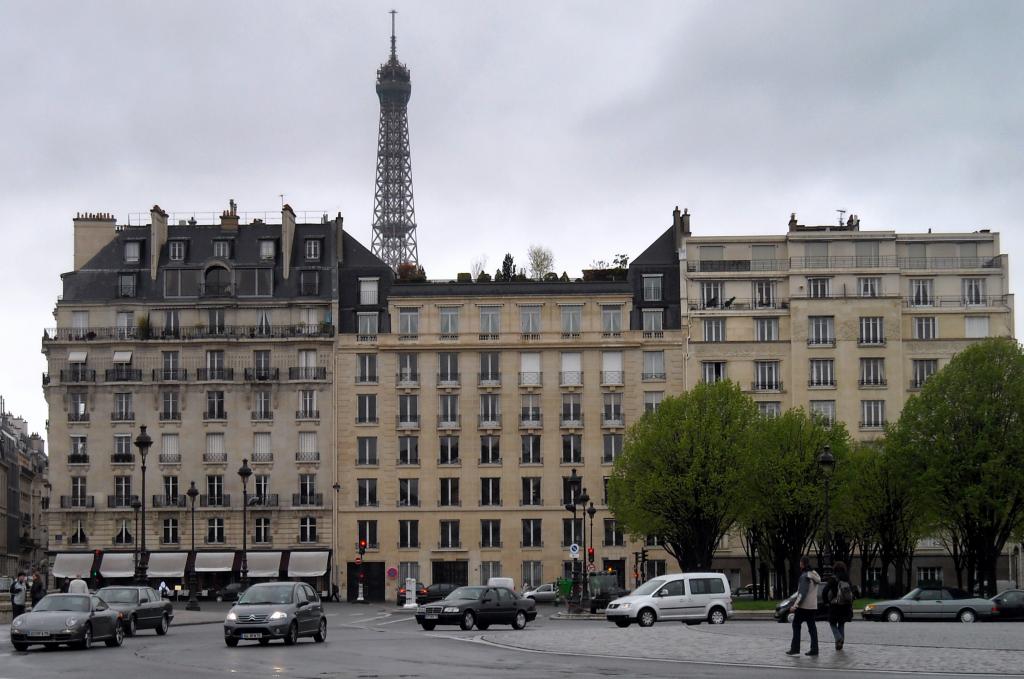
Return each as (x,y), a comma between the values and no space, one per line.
(564,587)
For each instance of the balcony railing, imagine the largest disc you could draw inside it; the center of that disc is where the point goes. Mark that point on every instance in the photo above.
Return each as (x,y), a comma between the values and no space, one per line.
(264,415)
(871,341)
(214,500)
(368,379)
(122,374)
(170,375)
(954,301)
(215,458)
(821,341)
(612,377)
(121,501)
(170,501)
(822,382)
(263,500)
(170,458)
(308,539)
(449,421)
(77,502)
(844,262)
(872,425)
(307,414)
(448,379)
(307,373)
(449,544)
(78,458)
(492,421)
(530,379)
(655,376)
(78,417)
(215,374)
(215,414)
(490,544)
(261,374)
(75,375)
(122,416)
(299,330)
(572,420)
(122,458)
(766,385)
(570,378)
(736,265)
(307,500)
(407,421)
(410,378)
(262,457)
(489,379)
(613,419)
(872,382)
(307,456)
(169,416)
(531,418)
(737,304)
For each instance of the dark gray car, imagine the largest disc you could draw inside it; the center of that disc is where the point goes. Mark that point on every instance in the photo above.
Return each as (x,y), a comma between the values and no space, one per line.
(276,610)
(142,608)
(73,619)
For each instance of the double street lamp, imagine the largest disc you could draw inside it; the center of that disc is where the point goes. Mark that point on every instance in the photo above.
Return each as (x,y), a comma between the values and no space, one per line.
(193,602)
(578,498)
(244,472)
(827,463)
(143,443)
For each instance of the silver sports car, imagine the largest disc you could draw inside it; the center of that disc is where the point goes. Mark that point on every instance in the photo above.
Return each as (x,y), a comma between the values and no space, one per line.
(73,619)
(930,603)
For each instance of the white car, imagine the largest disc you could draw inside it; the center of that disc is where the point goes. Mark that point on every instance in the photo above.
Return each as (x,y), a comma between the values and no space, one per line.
(544,594)
(689,597)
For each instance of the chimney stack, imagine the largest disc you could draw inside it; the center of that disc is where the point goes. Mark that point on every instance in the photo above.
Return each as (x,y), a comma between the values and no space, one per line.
(287,237)
(229,218)
(340,246)
(93,230)
(680,225)
(157,238)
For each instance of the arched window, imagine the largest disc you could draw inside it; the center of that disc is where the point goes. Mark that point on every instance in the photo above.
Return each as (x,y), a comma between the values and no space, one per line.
(217,281)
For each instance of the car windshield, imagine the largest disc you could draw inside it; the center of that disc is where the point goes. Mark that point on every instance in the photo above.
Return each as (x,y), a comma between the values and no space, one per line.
(119,595)
(912,594)
(76,604)
(267,594)
(649,587)
(466,593)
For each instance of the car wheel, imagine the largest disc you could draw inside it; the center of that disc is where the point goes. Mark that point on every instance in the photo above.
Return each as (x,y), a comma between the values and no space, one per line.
(118,637)
(86,641)
(519,622)
(231,642)
(321,632)
(716,616)
(646,618)
(894,615)
(164,625)
(967,616)
(292,636)
(18,646)
(133,626)
(622,623)
(468,620)
(429,626)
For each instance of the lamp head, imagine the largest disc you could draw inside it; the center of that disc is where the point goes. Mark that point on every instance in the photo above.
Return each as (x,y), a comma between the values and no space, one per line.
(143,441)
(192,492)
(826,460)
(245,471)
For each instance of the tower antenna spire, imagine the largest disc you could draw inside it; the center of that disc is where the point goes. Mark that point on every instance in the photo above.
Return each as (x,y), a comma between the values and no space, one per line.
(393,52)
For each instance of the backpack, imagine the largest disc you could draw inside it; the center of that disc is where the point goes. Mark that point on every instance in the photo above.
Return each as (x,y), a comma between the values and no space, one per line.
(843,594)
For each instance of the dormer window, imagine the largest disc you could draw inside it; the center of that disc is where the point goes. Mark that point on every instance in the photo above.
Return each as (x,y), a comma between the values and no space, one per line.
(313,249)
(176,250)
(266,249)
(126,285)
(222,249)
(132,252)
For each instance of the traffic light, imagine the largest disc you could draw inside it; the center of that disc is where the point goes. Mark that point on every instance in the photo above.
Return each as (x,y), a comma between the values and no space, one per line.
(362,576)
(362,547)
(590,554)
(97,557)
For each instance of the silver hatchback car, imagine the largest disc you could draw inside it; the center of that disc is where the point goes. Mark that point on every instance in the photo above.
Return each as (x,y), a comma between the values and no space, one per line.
(276,610)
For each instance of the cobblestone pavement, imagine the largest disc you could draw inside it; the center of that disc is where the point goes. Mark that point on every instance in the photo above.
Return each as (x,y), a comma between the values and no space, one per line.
(941,648)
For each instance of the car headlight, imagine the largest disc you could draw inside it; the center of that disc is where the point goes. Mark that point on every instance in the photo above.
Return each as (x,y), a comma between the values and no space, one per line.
(232,616)
(625,605)
(18,622)
(71,622)
(869,607)
(278,615)
(451,609)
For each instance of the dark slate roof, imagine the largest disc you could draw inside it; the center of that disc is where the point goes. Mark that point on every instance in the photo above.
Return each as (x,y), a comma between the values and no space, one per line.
(355,255)
(661,252)
(492,289)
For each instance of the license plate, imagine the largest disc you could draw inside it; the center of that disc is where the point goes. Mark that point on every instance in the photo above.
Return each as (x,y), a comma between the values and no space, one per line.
(39,634)
(252,635)
(430,616)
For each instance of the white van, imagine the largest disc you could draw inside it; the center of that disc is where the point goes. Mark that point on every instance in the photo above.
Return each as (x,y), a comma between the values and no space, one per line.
(689,597)
(507,583)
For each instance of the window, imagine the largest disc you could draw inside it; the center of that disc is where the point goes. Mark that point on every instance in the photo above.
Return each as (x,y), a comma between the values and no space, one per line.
(366,408)
(309,448)
(613,535)
(652,288)
(267,249)
(408,570)
(449,453)
(654,365)
(572,449)
(366,368)
(170,531)
(531,449)
(611,319)
(921,292)
(714,330)
(78,446)
(408,410)
(170,484)
(449,409)
(488,570)
(490,363)
(766,329)
(764,294)
(366,492)
(872,372)
(408,322)
(215,365)
(367,530)
(408,450)
(532,536)
(869,287)
(309,283)
(490,320)
(769,408)
(921,370)
(123,447)
(408,534)
(169,450)
(572,368)
(822,373)
(490,536)
(214,485)
(448,367)
(821,330)
(712,371)
(408,492)
(652,399)
(132,252)
(816,253)
(929,576)
(533,573)
(872,414)
(612,410)
(366,450)
(529,369)
(976,326)
(826,410)
(925,328)
(449,316)
(711,293)
(368,291)
(78,408)
(490,450)
(261,488)
(572,320)
(871,330)
(215,406)
(490,492)
(313,249)
(261,533)
(367,324)
(263,411)
(307,405)
(653,320)
(123,535)
(819,288)
(307,529)
(450,538)
(449,495)
(122,491)
(612,448)
(529,319)
(572,409)
(973,291)
(572,531)
(766,376)
(408,368)
(215,531)
(126,285)
(176,250)
(215,321)
(222,249)
(531,492)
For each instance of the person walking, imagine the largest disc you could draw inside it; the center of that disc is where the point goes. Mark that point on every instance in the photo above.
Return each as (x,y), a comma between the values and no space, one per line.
(19,592)
(805,607)
(38,589)
(839,595)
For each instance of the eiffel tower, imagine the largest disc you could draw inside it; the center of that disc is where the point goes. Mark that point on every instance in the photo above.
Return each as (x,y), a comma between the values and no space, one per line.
(394,213)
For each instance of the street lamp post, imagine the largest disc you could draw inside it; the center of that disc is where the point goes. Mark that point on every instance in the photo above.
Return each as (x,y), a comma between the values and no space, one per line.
(136,506)
(142,442)
(244,472)
(334,542)
(577,492)
(591,510)
(585,585)
(827,462)
(193,602)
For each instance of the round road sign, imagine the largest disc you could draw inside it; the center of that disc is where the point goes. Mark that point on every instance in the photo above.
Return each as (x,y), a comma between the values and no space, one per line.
(590,567)
(574,548)
(392,573)
(358,560)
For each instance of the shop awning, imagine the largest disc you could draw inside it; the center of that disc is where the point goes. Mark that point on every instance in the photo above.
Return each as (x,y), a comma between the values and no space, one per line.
(122,357)
(77,356)
(167,564)
(264,564)
(214,562)
(117,566)
(307,564)
(73,565)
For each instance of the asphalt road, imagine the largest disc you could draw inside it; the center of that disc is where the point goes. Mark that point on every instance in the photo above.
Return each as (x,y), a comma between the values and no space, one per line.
(364,642)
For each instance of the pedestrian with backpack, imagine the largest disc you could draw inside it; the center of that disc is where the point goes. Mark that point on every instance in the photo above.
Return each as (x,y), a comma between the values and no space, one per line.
(839,595)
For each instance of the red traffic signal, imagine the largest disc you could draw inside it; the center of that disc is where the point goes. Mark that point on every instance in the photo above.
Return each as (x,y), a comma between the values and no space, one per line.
(590,554)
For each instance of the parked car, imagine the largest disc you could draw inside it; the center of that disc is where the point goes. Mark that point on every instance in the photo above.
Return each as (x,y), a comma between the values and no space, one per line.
(436,592)
(229,592)
(73,619)
(421,590)
(930,603)
(604,588)
(480,607)
(276,610)
(140,607)
(1008,605)
(783,614)
(689,597)
(745,592)
(544,594)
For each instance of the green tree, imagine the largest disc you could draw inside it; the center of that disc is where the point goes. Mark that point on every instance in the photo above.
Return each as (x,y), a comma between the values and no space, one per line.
(964,435)
(678,476)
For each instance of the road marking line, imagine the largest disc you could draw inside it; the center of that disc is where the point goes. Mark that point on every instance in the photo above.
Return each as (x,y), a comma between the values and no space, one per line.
(392,622)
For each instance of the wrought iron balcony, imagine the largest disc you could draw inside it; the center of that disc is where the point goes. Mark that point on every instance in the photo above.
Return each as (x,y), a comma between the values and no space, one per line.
(408,378)
(75,375)
(448,379)
(264,500)
(307,499)
(215,500)
(262,458)
(307,373)
(530,417)
(78,417)
(307,456)
(122,374)
(170,416)
(612,377)
(77,502)
(491,379)
(78,458)
(122,458)
(307,414)
(570,378)
(170,375)
(170,458)
(766,385)
(261,374)
(121,501)
(530,379)
(162,501)
(215,458)
(572,420)
(215,374)
(407,421)
(262,415)
(122,416)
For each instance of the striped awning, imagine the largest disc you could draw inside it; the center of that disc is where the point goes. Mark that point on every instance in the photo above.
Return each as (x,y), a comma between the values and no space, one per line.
(214,562)
(117,565)
(167,564)
(73,565)
(77,356)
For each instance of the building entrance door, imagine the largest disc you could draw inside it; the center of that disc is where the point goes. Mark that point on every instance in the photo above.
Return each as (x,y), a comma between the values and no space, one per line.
(453,572)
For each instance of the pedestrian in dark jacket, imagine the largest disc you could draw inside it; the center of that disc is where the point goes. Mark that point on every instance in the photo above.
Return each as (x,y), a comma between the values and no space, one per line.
(805,607)
(839,595)
(18,591)
(38,589)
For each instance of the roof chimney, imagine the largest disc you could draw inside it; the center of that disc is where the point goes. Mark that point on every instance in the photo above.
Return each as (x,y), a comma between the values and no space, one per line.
(792,221)
(287,236)
(340,248)
(93,230)
(229,218)
(157,238)
(680,226)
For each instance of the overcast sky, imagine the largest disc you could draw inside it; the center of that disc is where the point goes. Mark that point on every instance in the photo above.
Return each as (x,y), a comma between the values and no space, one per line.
(579,125)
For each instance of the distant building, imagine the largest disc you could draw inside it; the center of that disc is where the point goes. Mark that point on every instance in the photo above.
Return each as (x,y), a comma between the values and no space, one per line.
(23,496)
